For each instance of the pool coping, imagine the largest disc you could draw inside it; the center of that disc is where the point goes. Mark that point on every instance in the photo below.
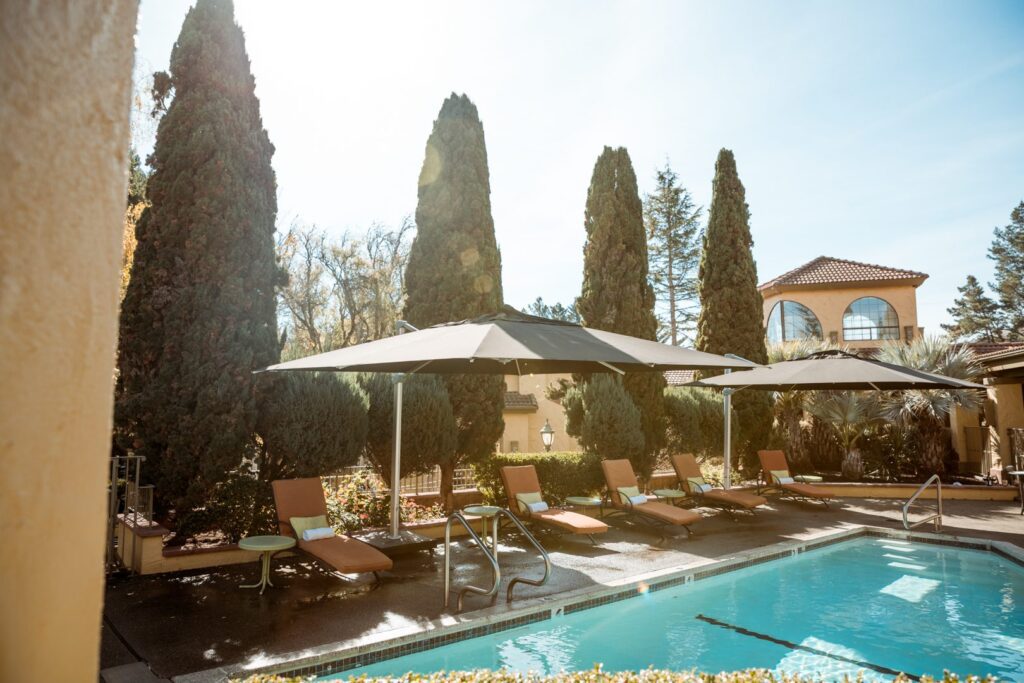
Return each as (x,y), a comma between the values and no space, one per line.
(346,655)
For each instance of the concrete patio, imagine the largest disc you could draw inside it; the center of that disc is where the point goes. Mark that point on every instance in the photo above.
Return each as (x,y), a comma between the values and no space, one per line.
(192,621)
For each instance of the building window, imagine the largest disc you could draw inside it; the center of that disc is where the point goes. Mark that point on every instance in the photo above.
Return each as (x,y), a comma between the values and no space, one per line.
(870,319)
(789,321)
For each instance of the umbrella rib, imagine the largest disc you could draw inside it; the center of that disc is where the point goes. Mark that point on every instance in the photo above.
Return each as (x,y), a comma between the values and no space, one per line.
(420,367)
(612,367)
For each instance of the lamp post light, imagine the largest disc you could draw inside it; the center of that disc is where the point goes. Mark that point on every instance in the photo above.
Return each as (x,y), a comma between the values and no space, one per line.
(547,435)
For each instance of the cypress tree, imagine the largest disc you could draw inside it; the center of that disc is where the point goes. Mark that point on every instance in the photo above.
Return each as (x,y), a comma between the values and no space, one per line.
(454,269)
(199,313)
(617,295)
(731,316)
(428,425)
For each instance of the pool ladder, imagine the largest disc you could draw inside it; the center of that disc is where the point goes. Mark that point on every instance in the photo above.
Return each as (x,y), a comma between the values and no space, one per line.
(937,517)
(492,558)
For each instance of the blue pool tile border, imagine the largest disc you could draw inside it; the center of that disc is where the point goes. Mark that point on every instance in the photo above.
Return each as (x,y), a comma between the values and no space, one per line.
(339,662)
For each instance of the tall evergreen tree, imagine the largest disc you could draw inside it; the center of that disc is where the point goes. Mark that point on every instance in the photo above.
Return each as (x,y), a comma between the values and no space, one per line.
(975,315)
(731,316)
(454,269)
(1007,251)
(617,295)
(199,314)
(673,244)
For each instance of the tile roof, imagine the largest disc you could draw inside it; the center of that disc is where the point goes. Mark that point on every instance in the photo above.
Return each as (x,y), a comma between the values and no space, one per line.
(516,402)
(984,351)
(677,378)
(828,270)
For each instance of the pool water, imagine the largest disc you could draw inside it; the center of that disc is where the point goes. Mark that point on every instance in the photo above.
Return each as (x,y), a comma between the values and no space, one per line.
(870,605)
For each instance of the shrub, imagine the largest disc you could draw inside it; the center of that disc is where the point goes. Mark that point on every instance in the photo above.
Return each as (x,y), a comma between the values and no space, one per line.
(311,424)
(429,433)
(561,474)
(694,421)
(603,417)
(360,502)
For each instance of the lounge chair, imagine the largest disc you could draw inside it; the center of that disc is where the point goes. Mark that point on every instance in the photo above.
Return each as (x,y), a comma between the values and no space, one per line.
(692,483)
(523,489)
(775,472)
(625,497)
(304,498)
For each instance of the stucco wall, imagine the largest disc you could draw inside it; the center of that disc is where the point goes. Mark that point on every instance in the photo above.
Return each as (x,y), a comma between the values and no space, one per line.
(1008,401)
(65,81)
(524,427)
(830,305)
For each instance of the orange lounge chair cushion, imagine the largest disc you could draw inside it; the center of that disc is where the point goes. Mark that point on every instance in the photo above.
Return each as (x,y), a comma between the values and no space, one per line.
(667,513)
(570,521)
(776,460)
(807,490)
(305,498)
(522,479)
(741,499)
(347,555)
(619,474)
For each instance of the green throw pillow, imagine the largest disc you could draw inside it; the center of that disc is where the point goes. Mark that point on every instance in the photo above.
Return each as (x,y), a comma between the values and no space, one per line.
(300,524)
(629,491)
(778,475)
(525,499)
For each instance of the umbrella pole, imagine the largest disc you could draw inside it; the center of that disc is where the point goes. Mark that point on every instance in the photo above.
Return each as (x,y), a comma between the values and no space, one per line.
(727,405)
(396,461)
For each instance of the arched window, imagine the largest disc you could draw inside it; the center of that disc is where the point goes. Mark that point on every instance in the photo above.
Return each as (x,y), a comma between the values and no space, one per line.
(870,318)
(790,320)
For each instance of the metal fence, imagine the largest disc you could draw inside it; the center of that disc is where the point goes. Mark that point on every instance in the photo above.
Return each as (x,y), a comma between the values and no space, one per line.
(127,500)
(420,483)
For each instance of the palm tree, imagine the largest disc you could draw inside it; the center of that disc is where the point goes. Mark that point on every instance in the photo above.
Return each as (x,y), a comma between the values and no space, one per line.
(926,411)
(789,406)
(850,414)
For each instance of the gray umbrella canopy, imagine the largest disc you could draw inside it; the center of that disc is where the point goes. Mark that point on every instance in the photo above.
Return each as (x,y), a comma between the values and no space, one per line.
(511,343)
(834,370)
(506,343)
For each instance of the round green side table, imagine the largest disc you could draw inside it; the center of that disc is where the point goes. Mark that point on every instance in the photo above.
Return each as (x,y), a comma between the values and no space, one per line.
(807,478)
(586,502)
(674,496)
(266,546)
(489,516)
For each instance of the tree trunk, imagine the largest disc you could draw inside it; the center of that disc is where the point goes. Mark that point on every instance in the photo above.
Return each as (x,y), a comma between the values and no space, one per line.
(933,440)
(447,492)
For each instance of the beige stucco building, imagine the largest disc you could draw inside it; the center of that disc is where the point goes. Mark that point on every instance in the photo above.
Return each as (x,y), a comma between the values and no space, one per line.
(526,410)
(993,437)
(856,304)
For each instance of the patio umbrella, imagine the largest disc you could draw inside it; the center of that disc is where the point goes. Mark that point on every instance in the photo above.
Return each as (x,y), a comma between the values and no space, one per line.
(505,343)
(828,370)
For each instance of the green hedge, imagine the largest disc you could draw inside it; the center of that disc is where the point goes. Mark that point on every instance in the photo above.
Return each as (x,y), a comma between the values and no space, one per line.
(561,474)
(598,675)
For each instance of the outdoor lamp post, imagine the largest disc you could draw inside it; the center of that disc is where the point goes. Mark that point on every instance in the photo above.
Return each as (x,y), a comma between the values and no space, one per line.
(547,435)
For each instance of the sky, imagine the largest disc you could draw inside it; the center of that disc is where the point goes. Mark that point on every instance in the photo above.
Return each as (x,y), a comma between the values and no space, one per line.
(889,133)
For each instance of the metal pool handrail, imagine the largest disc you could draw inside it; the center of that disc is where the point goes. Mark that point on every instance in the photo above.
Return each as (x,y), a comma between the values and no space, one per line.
(536,544)
(458,517)
(937,517)
(491,558)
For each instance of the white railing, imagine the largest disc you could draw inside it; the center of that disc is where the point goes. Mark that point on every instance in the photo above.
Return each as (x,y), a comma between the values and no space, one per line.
(937,517)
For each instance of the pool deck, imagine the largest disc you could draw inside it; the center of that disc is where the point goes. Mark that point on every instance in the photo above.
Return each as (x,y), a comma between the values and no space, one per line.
(168,626)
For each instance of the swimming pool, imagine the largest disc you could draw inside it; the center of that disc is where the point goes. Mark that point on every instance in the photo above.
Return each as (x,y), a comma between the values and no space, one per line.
(877,605)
